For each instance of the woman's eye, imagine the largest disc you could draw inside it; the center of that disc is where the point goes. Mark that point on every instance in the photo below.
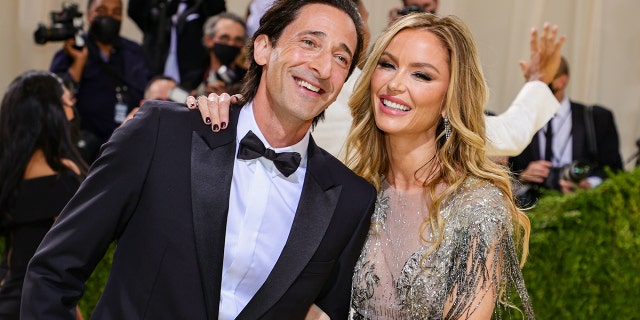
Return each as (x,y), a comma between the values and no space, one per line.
(386,65)
(423,76)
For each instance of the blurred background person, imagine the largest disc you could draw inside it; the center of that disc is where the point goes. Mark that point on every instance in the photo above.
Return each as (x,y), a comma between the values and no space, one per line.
(161,88)
(85,142)
(409,6)
(571,150)
(224,38)
(40,170)
(110,71)
(171,29)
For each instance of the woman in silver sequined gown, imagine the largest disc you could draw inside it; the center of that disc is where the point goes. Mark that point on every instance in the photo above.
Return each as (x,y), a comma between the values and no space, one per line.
(446,238)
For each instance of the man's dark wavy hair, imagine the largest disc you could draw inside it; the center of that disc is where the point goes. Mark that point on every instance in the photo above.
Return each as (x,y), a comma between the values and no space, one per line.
(273,23)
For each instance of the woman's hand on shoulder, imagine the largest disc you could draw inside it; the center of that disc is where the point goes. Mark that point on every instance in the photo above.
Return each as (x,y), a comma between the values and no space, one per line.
(214,108)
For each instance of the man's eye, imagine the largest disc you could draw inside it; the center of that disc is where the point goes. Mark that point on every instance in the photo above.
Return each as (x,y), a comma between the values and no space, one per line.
(343,60)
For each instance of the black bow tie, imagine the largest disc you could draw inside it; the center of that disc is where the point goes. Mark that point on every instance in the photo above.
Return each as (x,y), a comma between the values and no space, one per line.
(252,148)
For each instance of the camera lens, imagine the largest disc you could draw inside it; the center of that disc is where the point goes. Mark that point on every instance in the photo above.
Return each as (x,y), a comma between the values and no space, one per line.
(575,172)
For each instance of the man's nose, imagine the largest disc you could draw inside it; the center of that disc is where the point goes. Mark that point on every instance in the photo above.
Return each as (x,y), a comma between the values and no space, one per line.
(322,64)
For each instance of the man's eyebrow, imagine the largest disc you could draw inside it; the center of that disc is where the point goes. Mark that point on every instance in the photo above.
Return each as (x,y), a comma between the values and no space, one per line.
(321,34)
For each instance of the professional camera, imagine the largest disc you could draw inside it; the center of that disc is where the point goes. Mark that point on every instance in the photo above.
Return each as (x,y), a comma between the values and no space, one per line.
(410,9)
(65,24)
(575,171)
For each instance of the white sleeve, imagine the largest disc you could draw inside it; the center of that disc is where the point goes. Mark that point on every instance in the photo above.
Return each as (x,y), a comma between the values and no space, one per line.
(509,133)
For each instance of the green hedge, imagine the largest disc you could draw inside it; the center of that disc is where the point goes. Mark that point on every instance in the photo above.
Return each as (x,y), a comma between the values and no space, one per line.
(584,260)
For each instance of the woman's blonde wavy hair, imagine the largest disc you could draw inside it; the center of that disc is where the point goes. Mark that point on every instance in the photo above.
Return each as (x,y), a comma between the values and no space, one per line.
(460,156)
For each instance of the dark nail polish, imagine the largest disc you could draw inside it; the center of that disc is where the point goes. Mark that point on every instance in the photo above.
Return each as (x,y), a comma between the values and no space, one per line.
(223,125)
(216,127)
(207,120)
(192,105)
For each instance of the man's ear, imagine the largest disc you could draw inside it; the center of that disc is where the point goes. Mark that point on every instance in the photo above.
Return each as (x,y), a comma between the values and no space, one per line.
(262,49)
(207,41)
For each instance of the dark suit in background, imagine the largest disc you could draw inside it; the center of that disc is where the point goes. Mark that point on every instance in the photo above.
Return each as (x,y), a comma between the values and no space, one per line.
(549,165)
(161,190)
(153,17)
(607,143)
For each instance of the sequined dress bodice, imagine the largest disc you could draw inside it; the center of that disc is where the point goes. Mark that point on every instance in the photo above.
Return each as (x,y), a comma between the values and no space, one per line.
(395,278)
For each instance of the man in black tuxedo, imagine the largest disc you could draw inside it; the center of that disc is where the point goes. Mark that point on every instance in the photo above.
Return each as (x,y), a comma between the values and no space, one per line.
(564,140)
(204,229)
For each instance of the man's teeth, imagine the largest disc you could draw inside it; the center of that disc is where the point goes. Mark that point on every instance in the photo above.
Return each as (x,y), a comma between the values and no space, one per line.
(393,105)
(308,86)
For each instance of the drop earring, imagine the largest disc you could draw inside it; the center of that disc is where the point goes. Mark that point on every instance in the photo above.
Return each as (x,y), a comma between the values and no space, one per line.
(447,128)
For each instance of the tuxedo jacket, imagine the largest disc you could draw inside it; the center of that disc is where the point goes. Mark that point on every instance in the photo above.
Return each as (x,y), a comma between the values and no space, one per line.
(607,142)
(160,188)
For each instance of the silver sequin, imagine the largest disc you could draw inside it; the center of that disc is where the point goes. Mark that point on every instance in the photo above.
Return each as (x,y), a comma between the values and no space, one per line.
(394,280)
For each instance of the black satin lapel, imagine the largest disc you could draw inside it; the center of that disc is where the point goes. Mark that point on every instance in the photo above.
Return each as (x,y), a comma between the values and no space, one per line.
(578,132)
(211,171)
(315,210)
(535,148)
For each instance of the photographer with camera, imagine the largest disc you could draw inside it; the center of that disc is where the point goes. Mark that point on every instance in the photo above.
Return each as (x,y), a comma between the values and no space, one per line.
(224,37)
(571,151)
(409,6)
(109,71)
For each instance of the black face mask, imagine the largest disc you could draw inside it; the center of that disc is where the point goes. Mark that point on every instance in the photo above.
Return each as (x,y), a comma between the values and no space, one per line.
(225,53)
(105,29)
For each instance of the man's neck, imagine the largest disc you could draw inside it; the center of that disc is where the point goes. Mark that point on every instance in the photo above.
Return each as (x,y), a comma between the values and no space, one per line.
(280,130)
(104,48)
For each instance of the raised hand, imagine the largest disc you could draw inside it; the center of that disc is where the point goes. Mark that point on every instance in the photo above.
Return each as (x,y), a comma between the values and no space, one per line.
(545,54)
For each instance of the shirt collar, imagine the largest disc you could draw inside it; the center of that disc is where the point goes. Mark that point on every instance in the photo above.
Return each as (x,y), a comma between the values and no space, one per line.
(247,121)
(565,108)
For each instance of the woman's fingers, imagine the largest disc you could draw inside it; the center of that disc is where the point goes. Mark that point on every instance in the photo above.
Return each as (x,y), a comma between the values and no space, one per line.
(214,108)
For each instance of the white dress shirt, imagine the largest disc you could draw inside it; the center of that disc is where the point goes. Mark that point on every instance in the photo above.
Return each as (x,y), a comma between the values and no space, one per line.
(562,145)
(262,205)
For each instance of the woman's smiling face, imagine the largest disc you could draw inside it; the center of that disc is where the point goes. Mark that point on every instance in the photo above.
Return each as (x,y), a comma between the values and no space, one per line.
(409,84)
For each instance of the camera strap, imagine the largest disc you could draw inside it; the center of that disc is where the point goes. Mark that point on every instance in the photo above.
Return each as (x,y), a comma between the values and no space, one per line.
(117,77)
(591,132)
